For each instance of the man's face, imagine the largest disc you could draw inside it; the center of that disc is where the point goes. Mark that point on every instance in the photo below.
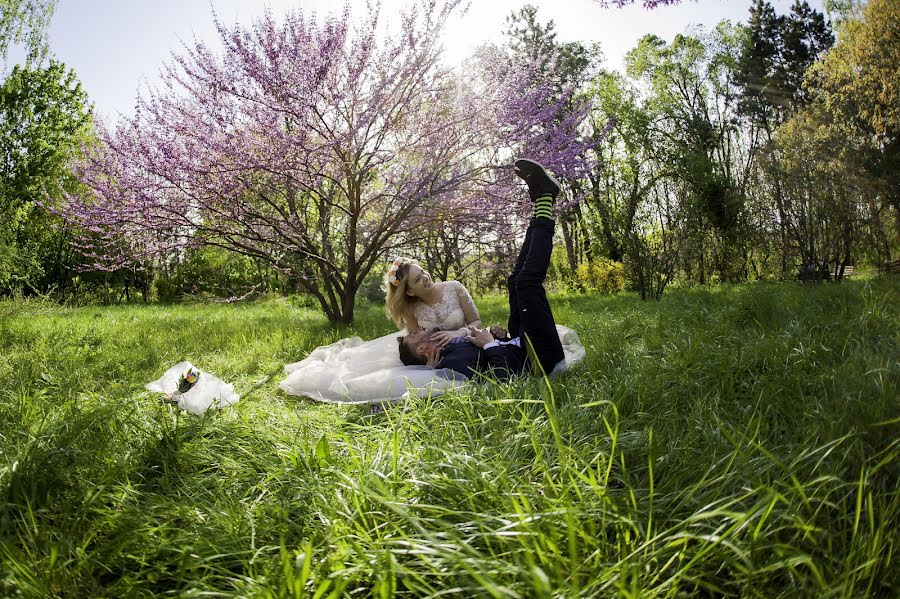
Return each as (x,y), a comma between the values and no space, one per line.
(419,340)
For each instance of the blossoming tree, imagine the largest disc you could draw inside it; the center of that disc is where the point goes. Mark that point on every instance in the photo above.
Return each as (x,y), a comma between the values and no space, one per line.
(313,144)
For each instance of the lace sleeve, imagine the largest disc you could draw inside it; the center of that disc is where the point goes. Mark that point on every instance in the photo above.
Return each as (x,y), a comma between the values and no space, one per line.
(467,304)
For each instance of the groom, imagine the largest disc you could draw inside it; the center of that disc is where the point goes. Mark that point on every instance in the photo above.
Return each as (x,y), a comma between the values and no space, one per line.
(532,338)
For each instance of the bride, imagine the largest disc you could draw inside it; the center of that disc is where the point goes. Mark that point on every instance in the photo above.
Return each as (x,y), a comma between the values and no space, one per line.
(354,371)
(415,301)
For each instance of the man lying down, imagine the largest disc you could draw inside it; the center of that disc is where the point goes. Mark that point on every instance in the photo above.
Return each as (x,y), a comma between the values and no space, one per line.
(532,340)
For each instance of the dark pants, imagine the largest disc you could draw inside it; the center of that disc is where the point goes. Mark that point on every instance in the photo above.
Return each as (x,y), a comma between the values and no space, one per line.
(530,316)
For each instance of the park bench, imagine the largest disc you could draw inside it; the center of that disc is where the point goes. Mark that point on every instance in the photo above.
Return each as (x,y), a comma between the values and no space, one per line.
(892,267)
(805,275)
(810,273)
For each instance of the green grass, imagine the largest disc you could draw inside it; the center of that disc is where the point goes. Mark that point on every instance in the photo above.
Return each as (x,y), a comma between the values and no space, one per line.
(733,441)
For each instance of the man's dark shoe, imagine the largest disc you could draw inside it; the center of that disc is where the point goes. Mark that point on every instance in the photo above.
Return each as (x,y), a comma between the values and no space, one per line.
(539,181)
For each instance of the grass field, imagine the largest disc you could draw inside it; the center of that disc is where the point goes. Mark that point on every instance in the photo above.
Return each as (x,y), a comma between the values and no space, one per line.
(734,441)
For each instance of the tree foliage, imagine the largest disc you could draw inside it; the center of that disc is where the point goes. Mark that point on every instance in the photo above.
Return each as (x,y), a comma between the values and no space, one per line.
(857,81)
(856,90)
(777,51)
(26,22)
(315,145)
(44,119)
(316,149)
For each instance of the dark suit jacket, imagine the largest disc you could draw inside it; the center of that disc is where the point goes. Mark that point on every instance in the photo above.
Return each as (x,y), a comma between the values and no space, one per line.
(501,362)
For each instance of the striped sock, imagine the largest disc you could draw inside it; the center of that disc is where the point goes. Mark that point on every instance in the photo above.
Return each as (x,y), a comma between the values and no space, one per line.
(543,206)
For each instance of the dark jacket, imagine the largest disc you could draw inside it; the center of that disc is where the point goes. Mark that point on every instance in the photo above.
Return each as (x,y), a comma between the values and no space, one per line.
(501,362)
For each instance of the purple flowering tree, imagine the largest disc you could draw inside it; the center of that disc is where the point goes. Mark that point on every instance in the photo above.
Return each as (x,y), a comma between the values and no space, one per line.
(648,4)
(313,144)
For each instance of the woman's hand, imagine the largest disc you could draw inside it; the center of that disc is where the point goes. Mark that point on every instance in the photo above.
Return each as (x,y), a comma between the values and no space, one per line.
(442,338)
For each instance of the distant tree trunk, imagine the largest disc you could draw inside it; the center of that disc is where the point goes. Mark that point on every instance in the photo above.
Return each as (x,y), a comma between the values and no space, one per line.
(614,250)
(779,204)
(568,239)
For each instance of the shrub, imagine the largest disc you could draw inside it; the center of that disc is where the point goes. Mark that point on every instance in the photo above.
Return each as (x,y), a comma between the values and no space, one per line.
(603,275)
(211,271)
(559,274)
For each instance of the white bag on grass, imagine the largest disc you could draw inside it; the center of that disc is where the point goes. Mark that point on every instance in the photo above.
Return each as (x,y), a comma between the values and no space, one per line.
(208,392)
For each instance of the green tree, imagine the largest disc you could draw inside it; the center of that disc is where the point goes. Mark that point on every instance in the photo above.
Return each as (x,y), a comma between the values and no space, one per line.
(858,80)
(691,94)
(628,169)
(857,89)
(776,51)
(841,11)
(823,190)
(562,63)
(25,22)
(760,99)
(44,118)
(805,36)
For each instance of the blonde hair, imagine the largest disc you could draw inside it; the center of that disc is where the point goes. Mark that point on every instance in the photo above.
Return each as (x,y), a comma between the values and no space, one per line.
(400,307)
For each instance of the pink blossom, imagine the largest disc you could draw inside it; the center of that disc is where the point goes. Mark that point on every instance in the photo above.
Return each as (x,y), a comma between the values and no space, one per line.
(315,145)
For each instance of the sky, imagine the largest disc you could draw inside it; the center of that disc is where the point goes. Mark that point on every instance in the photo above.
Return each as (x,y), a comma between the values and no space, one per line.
(117,46)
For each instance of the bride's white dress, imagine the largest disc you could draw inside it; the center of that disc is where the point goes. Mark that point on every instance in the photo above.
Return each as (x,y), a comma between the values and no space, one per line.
(446,314)
(354,371)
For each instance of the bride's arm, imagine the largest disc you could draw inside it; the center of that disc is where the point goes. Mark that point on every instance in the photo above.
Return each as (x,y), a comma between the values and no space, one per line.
(410,322)
(470,311)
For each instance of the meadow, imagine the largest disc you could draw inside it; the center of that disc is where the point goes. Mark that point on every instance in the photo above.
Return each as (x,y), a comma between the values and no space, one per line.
(725,441)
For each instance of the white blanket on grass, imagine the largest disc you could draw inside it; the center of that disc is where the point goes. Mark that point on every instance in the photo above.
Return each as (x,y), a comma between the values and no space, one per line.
(353,371)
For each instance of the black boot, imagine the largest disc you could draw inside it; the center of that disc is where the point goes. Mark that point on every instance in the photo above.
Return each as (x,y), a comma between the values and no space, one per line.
(540,182)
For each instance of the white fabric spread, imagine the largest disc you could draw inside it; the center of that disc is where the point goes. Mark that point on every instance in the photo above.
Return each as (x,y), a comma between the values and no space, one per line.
(353,371)
(208,392)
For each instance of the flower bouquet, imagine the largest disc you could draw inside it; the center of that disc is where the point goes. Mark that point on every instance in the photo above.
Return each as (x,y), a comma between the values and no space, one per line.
(185,382)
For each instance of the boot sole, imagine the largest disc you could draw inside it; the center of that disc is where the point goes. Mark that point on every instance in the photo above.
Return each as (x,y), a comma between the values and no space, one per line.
(543,170)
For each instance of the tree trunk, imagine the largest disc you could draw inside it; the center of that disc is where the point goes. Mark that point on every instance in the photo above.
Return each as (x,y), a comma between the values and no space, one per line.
(348,301)
(570,244)
(779,205)
(614,250)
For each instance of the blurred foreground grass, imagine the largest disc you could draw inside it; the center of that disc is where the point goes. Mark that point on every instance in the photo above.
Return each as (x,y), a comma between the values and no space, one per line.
(731,441)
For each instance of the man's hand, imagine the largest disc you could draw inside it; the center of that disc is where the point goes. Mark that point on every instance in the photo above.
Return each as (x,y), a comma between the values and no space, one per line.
(499,332)
(442,338)
(432,356)
(479,337)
